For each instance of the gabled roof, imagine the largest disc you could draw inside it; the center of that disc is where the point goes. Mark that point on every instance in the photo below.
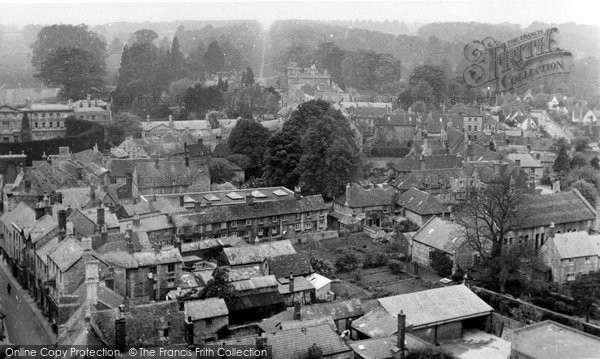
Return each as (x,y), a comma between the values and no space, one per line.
(562,207)
(294,343)
(526,160)
(297,264)
(300,285)
(257,253)
(22,216)
(272,324)
(358,197)
(385,348)
(205,308)
(376,324)
(575,244)
(67,253)
(439,234)
(411,163)
(420,202)
(428,307)
(295,324)
(42,227)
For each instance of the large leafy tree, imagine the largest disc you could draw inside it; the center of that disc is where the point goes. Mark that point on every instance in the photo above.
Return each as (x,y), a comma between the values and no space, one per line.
(203,99)
(220,286)
(249,138)
(72,69)
(138,72)
(123,126)
(214,58)
(51,38)
(433,75)
(282,158)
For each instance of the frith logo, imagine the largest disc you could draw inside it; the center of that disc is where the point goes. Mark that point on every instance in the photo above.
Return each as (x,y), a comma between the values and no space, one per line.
(517,62)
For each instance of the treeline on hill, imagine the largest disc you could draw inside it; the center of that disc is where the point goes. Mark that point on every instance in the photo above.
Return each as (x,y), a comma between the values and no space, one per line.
(81,136)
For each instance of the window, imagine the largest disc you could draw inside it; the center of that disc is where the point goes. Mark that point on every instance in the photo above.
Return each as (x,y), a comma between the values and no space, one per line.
(474,127)
(35,124)
(570,276)
(571,261)
(50,124)
(208,321)
(233,224)
(223,225)
(261,232)
(274,218)
(209,227)
(469,128)
(248,222)
(260,221)
(587,260)
(297,227)
(308,214)
(171,267)
(113,180)
(297,216)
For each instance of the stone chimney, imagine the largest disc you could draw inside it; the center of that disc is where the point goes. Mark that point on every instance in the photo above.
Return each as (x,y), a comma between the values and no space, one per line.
(249,199)
(100,216)
(556,186)
(297,192)
(136,220)
(129,240)
(86,244)
(28,103)
(297,313)
(401,333)
(39,211)
(496,168)
(171,121)
(198,205)
(518,162)
(92,279)
(421,163)
(181,201)
(92,192)
(551,230)
(62,224)
(291,284)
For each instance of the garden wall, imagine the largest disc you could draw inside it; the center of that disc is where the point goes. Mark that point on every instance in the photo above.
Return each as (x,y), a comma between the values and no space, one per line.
(529,313)
(313,237)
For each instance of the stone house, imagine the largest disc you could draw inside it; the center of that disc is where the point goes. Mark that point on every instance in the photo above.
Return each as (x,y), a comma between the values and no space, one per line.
(419,206)
(209,318)
(571,255)
(372,207)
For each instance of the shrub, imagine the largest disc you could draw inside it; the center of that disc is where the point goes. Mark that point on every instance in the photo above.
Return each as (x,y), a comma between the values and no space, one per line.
(395,266)
(441,263)
(321,266)
(347,262)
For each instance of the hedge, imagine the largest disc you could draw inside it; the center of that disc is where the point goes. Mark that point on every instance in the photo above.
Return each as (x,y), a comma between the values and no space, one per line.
(82,135)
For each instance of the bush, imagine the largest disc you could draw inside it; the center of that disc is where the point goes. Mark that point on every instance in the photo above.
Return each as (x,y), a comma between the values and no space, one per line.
(347,262)
(395,266)
(374,261)
(441,263)
(321,266)
(458,276)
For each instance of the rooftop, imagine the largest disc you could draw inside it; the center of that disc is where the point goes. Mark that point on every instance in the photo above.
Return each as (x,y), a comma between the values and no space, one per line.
(562,207)
(438,305)
(257,253)
(550,340)
(357,197)
(337,310)
(420,202)
(575,244)
(439,234)
(294,343)
(205,308)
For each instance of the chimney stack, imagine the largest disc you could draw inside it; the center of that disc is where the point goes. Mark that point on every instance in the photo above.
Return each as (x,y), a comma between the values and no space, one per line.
(100,216)
(249,199)
(92,192)
(129,240)
(136,220)
(291,285)
(62,224)
(91,280)
(551,230)
(297,193)
(297,314)
(86,244)
(421,163)
(181,201)
(401,332)
(171,121)
(39,211)
(518,162)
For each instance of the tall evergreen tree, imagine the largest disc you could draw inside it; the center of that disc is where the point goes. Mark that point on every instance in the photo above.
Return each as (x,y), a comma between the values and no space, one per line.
(214,58)
(25,128)
(249,79)
(562,163)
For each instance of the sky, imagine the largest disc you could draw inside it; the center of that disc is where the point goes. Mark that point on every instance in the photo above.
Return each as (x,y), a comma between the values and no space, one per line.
(521,12)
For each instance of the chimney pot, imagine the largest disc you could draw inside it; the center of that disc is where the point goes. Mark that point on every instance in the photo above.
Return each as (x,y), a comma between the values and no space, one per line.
(291,284)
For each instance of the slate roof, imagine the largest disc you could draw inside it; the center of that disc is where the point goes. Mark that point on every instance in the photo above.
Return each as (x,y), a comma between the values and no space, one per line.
(205,308)
(385,348)
(46,249)
(67,253)
(256,300)
(411,163)
(22,216)
(575,244)
(428,307)
(562,207)
(267,281)
(239,273)
(550,340)
(294,343)
(295,324)
(338,310)
(284,265)
(149,223)
(41,228)
(170,173)
(232,241)
(87,156)
(272,324)
(46,177)
(376,324)
(258,252)
(234,212)
(526,160)
(439,234)
(76,197)
(420,202)
(358,197)
(300,285)
(431,179)
(144,258)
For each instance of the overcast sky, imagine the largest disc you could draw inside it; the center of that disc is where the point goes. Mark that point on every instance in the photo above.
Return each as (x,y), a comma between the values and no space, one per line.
(421,11)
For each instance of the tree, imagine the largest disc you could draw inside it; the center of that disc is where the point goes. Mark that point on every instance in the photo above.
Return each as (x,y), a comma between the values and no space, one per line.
(440,262)
(315,352)
(214,58)
(486,218)
(74,70)
(282,158)
(143,36)
(347,262)
(25,128)
(587,190)
(423,92)
(321,266)
(220,286)
(595,163)
(562,163)
(203,99)
(116,46)
(138,73)
(433,75)
(586,291)
(581,143)
(248,77)
(51,38)
(419,107)
(578,160)
(214,117)
(249,138)
(220,172)
(123,125)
